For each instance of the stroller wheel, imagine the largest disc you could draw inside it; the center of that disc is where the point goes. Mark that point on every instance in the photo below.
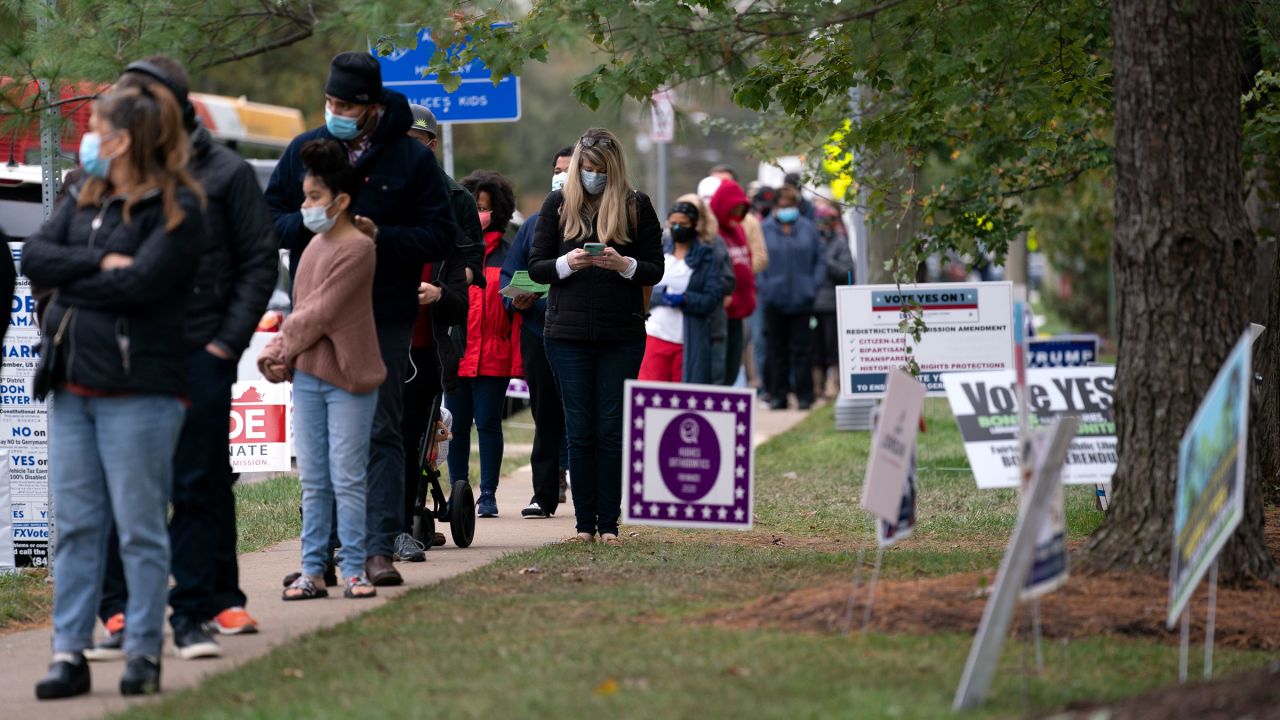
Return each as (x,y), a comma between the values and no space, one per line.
(424,528)
(462,514)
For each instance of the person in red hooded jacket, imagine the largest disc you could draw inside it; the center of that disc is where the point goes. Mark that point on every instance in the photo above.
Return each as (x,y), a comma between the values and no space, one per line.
(729,203)
(492,353)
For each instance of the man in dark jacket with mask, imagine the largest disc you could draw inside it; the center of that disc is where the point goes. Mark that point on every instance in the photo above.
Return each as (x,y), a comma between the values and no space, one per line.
(235,277)
(404,206)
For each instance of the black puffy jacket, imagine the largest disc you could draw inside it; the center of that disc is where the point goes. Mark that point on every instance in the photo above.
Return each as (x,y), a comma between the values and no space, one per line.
(404,194)
(116,331)
(239,269)
(593,304)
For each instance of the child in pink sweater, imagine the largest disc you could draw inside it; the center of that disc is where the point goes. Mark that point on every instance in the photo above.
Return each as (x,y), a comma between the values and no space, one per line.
(324,348)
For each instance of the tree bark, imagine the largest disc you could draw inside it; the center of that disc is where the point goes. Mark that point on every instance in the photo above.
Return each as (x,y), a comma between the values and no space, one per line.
(1265,420)
(1184,256)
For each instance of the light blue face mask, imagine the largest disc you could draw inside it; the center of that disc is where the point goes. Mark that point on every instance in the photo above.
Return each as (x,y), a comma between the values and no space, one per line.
(787,215)
(91,156)
(343,128)
(593,182)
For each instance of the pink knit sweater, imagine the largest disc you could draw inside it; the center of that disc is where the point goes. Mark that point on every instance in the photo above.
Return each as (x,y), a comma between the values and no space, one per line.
(330,333)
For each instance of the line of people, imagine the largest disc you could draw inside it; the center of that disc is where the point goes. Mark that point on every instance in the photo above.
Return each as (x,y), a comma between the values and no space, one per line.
(163,230)
(153,272)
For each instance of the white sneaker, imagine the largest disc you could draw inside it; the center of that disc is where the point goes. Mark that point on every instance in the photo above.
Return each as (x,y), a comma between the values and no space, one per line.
(534,510)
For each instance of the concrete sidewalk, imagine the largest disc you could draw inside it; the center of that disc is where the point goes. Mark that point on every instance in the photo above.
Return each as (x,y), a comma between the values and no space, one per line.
(25,655)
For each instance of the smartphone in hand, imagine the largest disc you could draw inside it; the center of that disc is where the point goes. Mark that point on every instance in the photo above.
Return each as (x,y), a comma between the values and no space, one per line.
(594,249)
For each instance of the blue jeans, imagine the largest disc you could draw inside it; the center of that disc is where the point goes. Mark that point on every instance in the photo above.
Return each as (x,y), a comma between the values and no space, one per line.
(477,399)
(331,434)
(591,377)
(111,459)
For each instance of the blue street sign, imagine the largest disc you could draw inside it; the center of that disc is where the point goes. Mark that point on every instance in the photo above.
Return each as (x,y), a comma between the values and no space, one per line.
(477,100)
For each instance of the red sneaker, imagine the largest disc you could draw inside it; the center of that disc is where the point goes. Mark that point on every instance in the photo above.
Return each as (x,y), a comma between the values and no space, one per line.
(234,621)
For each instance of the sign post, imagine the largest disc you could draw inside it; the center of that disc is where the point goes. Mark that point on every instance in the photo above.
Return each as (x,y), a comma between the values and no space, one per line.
(985,408)
(1209,504)
(888,491)
(969,327)
(687,456)
(980,668)
(662,131)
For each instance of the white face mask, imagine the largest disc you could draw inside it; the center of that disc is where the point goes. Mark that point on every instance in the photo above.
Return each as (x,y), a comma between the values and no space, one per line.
(317,219)
(558,180)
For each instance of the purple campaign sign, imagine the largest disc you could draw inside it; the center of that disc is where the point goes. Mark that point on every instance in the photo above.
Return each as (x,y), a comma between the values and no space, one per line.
(688,459)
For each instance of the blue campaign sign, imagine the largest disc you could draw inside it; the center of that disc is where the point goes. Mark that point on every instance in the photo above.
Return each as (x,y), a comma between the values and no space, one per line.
(1063,351)
(477,100)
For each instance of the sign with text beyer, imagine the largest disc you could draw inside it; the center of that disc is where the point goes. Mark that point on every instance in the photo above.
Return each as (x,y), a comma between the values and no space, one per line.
(260,427)
(892,445)
(969,327)
(24,426)
(687,457)
(985,406)
(477,100)
(1211,474)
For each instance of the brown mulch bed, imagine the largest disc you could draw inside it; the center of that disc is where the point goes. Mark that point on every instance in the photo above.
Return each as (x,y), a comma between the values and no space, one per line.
(1129,604)
(1254,695)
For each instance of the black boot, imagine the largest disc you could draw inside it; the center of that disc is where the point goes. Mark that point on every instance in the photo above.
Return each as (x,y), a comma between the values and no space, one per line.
(68,676)
(141,676)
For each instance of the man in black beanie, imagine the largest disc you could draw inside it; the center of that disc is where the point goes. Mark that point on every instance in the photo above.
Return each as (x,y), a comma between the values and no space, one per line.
(404,206)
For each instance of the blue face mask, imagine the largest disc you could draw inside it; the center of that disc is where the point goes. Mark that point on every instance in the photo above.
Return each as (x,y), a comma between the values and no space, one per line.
(787,215)
(343,128)
(593,182)
(91,156)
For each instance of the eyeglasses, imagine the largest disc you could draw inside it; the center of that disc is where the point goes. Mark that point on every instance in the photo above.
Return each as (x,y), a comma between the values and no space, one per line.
(589,141)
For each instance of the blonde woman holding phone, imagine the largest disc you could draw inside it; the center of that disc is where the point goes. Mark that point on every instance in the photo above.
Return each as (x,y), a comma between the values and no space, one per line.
(598,243)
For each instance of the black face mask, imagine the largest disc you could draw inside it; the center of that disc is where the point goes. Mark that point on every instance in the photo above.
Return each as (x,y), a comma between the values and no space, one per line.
(683,234)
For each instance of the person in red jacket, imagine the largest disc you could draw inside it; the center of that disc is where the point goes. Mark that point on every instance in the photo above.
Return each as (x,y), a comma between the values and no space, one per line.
(730,205)
(492,348)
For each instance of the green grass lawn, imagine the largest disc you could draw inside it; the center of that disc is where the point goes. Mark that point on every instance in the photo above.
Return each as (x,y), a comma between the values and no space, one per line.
(571,631)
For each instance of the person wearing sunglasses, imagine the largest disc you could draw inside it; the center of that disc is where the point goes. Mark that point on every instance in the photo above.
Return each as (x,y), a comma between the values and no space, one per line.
(598,243)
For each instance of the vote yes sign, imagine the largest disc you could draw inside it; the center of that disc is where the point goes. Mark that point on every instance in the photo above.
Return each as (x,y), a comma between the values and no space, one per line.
(260,427)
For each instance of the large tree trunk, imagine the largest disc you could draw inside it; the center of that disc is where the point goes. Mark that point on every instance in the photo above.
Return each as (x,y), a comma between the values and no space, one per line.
(1264,440)
(1183,262)
(1265,422)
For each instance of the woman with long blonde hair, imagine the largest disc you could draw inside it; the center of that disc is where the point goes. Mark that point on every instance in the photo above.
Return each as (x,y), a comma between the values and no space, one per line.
(120,254)
(598,243)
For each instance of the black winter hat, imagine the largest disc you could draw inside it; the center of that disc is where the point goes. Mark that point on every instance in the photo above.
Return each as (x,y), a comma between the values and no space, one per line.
(355,77)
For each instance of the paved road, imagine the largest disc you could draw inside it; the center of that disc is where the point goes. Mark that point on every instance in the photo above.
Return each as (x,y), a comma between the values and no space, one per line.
(24,655)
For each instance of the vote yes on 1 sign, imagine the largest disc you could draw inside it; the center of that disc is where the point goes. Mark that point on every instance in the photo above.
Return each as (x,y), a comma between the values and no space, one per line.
(687,455)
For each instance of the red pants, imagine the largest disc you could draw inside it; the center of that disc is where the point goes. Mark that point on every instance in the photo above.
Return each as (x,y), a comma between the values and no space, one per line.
(663,361)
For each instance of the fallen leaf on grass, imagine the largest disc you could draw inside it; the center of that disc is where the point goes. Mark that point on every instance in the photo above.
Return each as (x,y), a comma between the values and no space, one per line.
(737,671)
(292,673)
(530,571)
(811,513)
(778,541)
(608,687)
(633,534)
(790,476)
(245,698)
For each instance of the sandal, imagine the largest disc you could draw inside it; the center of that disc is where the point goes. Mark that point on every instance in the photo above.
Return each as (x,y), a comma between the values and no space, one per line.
(610,539)
(580,538)
(304,588)
(359,588)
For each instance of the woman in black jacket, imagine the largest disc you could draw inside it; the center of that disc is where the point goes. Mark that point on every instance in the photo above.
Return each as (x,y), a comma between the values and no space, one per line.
(120,256)
(598,243)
